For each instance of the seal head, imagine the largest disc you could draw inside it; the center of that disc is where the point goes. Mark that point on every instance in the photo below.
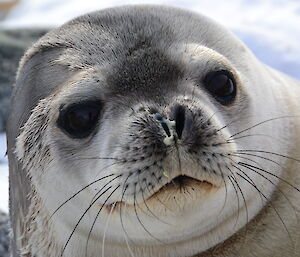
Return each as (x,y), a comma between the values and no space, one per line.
(140,132)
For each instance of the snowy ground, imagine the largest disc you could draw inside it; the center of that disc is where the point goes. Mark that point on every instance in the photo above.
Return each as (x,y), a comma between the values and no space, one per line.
(271,29)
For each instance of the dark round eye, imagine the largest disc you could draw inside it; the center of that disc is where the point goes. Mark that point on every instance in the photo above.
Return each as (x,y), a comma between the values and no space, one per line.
(221,85)
(79,119)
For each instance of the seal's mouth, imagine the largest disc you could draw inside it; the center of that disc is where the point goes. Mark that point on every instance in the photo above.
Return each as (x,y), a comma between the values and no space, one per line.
(181,183)
(183,180)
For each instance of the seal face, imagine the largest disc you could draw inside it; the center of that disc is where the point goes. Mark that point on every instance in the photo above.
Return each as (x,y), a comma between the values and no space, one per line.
(141,139)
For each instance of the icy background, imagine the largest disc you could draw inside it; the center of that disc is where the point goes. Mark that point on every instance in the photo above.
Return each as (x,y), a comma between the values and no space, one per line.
(270,28)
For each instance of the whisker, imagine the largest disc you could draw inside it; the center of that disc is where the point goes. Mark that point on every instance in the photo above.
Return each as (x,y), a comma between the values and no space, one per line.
(260,123)
(105,168)
(98,213)
(156,197)
(145,202)
(261,198)
(267,201)
(277,188)
(209,119)
(242,194)
(242,157)
(78,192)
(261,157)
(266,177)
(277,154)
(270,173)
(159,182)
(138,218)
(106,227)
(250,135)
(124,189)
(142,192)
(232,122)
(104,187)
(225,184)
(76,225)
(238,199)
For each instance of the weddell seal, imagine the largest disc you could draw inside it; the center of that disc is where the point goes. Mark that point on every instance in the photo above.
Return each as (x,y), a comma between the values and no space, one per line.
(152,131)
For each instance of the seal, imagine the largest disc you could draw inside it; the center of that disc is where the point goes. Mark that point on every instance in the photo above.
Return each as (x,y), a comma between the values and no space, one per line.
(152,131)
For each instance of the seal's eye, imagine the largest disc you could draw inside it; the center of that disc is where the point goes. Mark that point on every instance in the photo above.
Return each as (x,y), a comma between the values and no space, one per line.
(221,85)
(79,119)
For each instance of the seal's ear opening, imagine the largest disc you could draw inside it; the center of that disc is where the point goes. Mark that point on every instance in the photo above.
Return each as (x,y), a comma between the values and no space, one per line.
(79,120)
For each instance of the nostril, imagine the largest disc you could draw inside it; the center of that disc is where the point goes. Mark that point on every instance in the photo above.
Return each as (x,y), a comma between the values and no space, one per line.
(160,118)
(166,128)
(179,120)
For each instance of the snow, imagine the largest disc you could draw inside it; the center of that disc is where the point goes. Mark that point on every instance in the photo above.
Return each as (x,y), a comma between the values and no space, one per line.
(270,28)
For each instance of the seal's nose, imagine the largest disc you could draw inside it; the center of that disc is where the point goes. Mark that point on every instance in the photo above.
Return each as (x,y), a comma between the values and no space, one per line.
(178,121)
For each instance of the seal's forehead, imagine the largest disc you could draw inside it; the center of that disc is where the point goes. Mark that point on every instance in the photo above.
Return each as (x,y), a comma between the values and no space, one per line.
(103,36)
(132,46)
(145,68)
(130,42)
